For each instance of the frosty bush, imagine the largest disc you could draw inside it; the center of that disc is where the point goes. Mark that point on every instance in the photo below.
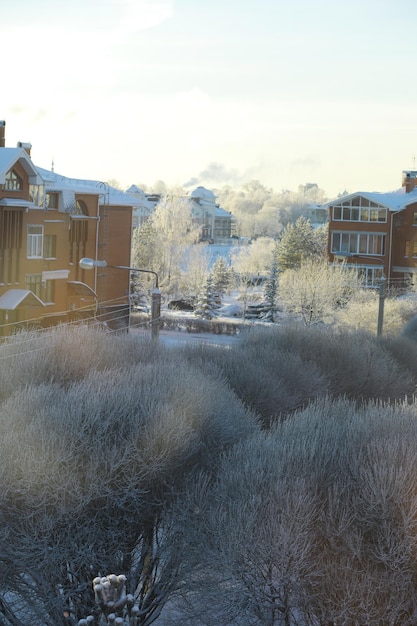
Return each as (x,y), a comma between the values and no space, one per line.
(312,522)
(270,382)
(277,369)
(354,364)
(362,313)
(66,354)
(90,467)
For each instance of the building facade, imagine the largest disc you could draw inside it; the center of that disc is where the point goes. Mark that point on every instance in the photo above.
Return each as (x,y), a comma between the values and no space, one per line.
(47,224)
(215,223)
(377,233)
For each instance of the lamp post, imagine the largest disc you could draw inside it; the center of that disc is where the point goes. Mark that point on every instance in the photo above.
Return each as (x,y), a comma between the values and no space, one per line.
(89,264)
(381,284)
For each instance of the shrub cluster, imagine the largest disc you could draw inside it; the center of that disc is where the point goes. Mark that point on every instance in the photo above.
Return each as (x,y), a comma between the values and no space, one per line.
(276,370)
(267,482)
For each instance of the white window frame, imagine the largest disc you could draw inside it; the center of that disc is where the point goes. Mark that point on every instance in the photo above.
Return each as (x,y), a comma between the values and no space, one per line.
(358,243)
(34,241)
(372,274)
(359,209)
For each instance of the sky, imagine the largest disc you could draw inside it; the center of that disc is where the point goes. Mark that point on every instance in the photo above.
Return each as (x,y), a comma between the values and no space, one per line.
(214,93)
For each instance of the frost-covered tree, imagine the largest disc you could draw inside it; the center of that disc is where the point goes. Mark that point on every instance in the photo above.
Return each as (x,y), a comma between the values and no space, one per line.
(254,259)
(144,251)
(260,211)
(316,289)
(194,270)
(300,241)
(271,290)
(221,276)
(167,234)
(207,303)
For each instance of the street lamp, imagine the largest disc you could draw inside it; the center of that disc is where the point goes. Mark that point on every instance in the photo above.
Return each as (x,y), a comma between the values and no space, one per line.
(381,284)
(89,264)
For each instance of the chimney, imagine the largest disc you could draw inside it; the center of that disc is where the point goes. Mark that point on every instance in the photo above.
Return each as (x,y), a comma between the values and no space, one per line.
(409,180)
(26,146)
(2,134)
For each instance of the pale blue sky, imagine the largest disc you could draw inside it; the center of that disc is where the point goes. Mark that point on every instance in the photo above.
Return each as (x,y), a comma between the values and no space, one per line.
(216,92)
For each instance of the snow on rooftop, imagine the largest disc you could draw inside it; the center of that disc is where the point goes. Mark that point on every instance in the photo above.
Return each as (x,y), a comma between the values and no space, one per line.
(57,182)
(203,194)
(392,200)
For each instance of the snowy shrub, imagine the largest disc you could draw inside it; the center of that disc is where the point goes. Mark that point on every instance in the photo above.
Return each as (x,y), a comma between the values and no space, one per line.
(90,468)
(354,363)
(66,354)
(362,313)
(404,351)
(311,522)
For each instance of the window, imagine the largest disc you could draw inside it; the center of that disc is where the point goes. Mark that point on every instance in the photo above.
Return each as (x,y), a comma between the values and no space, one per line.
(34,283)
(34,242)
(49,291)
(81,208)
(44,290)
(359,209)
(36,193)
(358,243)
(414,248)
(51,200)
(371,275)
(13,182)
(415,218)
(49,246)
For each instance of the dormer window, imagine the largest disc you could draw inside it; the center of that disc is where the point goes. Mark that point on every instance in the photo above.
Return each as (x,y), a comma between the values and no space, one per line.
(81,208)
(13,182)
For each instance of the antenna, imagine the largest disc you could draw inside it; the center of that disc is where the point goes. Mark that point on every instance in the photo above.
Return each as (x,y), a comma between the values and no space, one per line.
(413,156)
(52,165)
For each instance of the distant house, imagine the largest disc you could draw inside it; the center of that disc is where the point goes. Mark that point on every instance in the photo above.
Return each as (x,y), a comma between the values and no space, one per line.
(377,232)
(216,223)
(47,223)
(145,204)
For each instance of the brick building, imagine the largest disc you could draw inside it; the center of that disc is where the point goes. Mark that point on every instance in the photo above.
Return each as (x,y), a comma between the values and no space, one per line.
(47,223)
(377,232)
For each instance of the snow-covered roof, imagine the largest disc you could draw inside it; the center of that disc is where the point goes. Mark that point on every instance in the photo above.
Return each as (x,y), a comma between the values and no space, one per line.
(392,200)
(10,156)
(202,193)
(18,202)
(222,212)
(134,189)
(10,300)
(70,186)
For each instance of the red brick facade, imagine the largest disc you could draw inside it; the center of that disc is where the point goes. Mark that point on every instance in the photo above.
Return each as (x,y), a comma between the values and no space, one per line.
(47,223)
(377,232)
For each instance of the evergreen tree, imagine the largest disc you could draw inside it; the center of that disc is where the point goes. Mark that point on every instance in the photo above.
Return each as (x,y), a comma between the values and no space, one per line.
(270,291)
(144,255)
(206,305)
(298,242)
(220,275)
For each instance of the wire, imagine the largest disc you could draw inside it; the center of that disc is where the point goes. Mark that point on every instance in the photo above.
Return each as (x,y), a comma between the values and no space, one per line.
(28,336)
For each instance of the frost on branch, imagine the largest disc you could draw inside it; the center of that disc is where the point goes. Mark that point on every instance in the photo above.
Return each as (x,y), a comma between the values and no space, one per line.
(115,606)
